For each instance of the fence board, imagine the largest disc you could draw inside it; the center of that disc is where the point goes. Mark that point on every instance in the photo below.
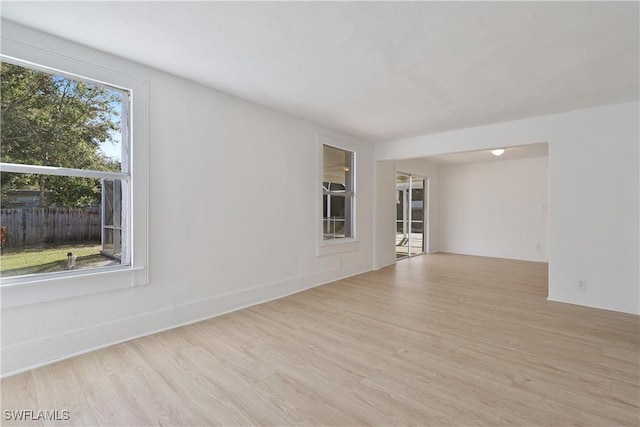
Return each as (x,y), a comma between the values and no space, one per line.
(38,226)
(34,226)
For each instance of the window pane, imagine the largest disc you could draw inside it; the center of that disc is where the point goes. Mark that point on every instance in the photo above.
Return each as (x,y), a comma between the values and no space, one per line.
(112,202)
(337,167)
(400,212)
(337,202)
(417,206)
(336,218)
(54,120)
(108,201)
(45,218)
(112,211)
(337,207)
(112,242)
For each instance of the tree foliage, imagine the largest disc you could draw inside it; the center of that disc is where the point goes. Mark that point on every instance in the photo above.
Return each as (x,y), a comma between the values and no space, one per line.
(51,120)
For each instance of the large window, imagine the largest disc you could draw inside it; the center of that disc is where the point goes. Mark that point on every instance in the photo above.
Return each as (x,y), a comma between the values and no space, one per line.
(65,172)
(338,195)
(74,179)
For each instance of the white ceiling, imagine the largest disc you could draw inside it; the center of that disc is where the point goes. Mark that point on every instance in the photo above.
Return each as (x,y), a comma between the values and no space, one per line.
(377,70)
(511,153)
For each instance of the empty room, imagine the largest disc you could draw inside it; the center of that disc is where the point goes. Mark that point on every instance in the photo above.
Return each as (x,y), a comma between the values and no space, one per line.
(320,213)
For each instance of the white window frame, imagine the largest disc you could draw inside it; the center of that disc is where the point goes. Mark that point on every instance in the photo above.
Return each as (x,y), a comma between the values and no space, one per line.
(344,244)
(32,289)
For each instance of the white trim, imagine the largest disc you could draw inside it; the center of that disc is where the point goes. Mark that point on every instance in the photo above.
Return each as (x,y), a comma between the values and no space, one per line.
(15,52)
(329,247)
(20,291)
(58,171)
(50,70)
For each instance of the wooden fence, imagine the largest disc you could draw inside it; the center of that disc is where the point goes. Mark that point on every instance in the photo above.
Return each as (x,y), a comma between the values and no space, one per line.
(38,226)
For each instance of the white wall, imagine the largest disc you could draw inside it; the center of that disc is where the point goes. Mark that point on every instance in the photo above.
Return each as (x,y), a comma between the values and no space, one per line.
(496,209)
(594,195)
(386,206)
(232,218)
(385,214)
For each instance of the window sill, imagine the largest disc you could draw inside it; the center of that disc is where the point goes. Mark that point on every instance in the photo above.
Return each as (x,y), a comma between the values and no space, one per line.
(22,291)
(328,247)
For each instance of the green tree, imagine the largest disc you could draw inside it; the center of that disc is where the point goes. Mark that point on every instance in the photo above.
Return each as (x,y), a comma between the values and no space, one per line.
(51,120)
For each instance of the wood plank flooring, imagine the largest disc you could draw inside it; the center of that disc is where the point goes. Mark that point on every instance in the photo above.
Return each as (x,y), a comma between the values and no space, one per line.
(435,340)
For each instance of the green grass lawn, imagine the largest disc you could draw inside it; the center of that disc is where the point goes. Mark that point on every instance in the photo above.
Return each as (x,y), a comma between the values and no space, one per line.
(19,262)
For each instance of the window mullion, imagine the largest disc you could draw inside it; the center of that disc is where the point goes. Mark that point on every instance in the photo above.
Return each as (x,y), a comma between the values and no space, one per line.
(59,171)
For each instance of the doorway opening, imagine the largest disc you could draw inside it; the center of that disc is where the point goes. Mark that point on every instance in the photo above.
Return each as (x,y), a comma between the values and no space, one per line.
(411,224)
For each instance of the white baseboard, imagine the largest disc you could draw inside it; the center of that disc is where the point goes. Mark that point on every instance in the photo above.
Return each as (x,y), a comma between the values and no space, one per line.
(32,354)
(602,301)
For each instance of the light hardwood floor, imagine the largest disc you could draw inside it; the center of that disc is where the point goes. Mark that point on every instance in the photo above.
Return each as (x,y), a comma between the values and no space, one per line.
(435,340)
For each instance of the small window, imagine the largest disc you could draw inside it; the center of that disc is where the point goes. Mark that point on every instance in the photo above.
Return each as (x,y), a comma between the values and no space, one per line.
(338,195)
(65,181)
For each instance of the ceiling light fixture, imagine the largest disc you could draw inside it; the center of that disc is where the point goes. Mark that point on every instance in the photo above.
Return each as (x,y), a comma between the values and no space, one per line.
(498,152)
